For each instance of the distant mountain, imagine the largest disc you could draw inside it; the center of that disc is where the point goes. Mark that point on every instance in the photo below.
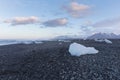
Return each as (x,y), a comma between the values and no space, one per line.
(67,37)
(104,36)
(62,37)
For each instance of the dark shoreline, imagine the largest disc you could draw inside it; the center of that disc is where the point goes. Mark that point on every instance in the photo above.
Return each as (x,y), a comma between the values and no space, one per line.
(52,61)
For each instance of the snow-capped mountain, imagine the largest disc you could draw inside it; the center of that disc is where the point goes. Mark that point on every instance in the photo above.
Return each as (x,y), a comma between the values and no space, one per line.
(104,36)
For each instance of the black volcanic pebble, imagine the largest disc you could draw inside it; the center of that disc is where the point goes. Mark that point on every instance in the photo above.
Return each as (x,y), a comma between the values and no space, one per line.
(51,61)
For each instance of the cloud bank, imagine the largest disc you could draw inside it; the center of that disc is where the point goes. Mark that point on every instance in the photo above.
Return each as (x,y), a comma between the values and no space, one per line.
(22,20)
(77,10)
(108,23)
(56,22)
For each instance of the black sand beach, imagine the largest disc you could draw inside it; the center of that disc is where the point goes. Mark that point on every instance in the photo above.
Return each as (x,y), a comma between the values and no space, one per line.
(52,61)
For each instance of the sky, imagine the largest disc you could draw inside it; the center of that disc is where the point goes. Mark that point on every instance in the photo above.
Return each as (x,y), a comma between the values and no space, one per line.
(45,19)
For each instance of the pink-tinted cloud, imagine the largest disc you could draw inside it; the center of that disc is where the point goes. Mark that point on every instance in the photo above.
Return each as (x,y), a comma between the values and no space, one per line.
(77,10)
(22,20)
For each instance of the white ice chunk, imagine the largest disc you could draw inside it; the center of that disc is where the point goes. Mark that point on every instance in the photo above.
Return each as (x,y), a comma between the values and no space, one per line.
(76,49)
(108,41)
(103,40)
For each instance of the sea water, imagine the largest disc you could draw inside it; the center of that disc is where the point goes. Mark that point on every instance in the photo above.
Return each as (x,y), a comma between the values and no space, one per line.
(9,42)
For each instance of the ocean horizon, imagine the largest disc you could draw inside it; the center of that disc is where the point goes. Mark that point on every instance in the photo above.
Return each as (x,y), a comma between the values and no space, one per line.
(9,42)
